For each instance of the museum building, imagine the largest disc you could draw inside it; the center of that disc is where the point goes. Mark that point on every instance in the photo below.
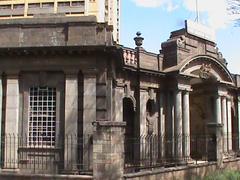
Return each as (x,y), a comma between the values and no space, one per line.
(74,102)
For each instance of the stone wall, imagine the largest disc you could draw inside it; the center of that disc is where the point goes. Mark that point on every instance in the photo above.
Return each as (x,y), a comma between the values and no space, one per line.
(184,172)
(10,176)
(54,32)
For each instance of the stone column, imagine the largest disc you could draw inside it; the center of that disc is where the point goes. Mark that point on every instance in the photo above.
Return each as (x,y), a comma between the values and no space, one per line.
(238,104)
(89,115)
(161,133)
(108,150)
(71,121)
(186,125)
(215,144)
(170,125)
(218,113)
(1,99)
(11,122)
(224,121)
(229,114)
(178,125)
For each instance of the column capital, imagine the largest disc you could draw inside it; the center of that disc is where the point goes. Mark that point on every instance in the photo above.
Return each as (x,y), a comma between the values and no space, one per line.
(229,98)
(71,72)
(238,98)
(89,72)
(184,87)
(186,92)
(12,73)
(224,97)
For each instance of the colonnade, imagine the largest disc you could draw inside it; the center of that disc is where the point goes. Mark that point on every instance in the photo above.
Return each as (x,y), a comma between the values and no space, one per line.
(182,124)
(178,120)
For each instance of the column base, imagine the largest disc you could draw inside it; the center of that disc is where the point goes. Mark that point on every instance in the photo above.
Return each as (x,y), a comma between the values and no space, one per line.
(190,161)
(6,170)
(181,163)
(230,154)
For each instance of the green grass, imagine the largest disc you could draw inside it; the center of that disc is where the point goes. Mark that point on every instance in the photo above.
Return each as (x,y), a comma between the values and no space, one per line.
(224,175)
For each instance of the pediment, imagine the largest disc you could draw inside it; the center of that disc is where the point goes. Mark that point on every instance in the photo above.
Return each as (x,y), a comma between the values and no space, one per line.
(206,68)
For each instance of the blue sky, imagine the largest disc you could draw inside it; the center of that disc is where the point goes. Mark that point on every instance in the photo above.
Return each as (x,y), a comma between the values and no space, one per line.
(157,18)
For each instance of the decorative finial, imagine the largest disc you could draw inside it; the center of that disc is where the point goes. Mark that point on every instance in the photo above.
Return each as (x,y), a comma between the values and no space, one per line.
(138,40)
(138,33)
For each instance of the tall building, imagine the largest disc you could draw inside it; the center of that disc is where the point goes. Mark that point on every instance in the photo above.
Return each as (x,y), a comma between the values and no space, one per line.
(104,10)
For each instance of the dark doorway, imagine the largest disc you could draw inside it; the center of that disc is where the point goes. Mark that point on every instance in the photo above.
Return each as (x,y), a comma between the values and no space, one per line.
(129,118)
(201,114)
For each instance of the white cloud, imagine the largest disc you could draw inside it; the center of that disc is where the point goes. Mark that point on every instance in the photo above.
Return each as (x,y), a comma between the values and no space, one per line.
(149,3)
(217,14)
(170,6)
(215,11)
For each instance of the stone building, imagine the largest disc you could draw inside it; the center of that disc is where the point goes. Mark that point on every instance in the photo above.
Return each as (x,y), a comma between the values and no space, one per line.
(104,10)
(74,102)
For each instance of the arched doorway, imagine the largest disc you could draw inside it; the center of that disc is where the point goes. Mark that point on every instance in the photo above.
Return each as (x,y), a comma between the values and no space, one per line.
(129,118)
(210,81)
(202,112)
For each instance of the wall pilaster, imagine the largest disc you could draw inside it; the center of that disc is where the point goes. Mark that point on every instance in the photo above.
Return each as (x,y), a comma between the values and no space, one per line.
(229,119)
(89,114)
(1,101)
(11,121)
(71,121)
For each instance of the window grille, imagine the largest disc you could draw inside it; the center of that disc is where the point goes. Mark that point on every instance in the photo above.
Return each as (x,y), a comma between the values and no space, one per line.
(42,116)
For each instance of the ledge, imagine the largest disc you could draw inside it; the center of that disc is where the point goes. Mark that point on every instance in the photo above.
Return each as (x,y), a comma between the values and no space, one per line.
(108,124)
(214,124)
(167,170)
(7,174)
(54,19)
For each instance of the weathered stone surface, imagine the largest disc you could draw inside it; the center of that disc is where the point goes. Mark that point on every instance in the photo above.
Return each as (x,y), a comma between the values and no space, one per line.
(108,159)
(53,32)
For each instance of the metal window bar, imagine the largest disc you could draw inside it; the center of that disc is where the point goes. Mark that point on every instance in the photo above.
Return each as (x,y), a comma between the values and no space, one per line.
(42,116)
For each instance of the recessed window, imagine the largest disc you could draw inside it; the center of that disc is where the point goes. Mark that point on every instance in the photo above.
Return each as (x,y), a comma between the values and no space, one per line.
(63,4)
(18,6)
(47,5)
(42,117)
(34,5)
(77,3)
(5,6)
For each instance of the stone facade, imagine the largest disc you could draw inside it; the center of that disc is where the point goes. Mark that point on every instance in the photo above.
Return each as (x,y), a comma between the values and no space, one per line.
(83,105)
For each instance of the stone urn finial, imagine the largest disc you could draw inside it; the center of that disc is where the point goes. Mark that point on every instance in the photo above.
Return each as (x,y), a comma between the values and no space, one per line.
(138,40)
